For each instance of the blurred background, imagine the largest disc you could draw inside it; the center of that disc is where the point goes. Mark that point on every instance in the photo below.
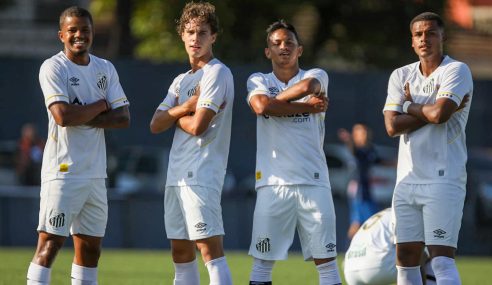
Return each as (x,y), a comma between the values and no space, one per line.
(358,43)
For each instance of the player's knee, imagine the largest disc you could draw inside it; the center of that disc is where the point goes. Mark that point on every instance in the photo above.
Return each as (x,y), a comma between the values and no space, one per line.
(408,255)
(47,251)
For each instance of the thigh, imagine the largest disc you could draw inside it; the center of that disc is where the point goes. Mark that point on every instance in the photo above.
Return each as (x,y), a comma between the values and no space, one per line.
(316,222)
(274,222)
(61,201)
(173,215)
(93,217)
(443,211)
(202,211)
(409,224)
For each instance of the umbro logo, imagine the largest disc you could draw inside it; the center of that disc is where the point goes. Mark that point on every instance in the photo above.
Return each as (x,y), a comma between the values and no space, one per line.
(74,81)
(330,247)
(439,233)
(273,90)
(201,227)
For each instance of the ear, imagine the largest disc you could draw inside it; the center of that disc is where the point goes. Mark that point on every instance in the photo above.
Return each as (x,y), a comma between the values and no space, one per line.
(60,36)
(214,37)
(300,49)
(268,53)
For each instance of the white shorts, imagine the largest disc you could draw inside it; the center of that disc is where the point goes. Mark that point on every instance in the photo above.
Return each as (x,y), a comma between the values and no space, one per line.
(192,212)
(75,206)
(429,213)
(371,269)
(280,209)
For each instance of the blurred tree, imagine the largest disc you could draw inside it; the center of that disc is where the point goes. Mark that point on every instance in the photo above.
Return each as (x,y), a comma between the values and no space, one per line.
(348,35)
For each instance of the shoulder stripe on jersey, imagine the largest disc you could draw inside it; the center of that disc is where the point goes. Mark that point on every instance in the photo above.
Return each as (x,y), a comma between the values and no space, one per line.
(208,102)
(447,94)
(165,105)
(392,104)
(118,100)
(55,95)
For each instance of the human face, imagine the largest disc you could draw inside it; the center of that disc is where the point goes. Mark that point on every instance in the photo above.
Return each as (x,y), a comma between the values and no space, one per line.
(427,39)
(198,39)
(76,35)
(283,48)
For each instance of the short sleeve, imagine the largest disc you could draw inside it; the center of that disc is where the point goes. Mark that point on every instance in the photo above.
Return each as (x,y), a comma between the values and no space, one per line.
(213,88)
(321,76)
(395,97)
(256,85)
(52,78)
(115,96)
(171,99)
(456,83)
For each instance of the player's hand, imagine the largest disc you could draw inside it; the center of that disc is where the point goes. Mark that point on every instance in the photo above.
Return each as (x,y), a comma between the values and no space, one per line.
(408,96)
(463,102)
(190,104)
(319,104)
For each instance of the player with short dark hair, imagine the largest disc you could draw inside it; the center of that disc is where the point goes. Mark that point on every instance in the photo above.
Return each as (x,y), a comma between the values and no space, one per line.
(427,107)
(199,103)
(83,96)
(292,183)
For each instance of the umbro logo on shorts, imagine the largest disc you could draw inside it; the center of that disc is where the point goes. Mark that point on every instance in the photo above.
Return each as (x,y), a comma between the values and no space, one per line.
(57,220)
(201,227)
(439,233)
(263,245)
(330,247)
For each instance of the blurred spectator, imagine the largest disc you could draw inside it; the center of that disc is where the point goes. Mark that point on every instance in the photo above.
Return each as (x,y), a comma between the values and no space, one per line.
(361,203)
(29,156)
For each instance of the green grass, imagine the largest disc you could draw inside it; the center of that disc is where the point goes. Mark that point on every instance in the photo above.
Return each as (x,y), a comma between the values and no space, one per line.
(148,267)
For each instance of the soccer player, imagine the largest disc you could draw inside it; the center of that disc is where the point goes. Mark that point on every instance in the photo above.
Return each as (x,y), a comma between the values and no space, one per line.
(427,107)
(371,257)
(83,96)
(199,103)
(292,183)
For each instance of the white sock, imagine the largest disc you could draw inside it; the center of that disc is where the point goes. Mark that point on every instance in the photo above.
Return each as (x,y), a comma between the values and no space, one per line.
(445,271)
(82,275)
(186,273)
(262,270)
(219,271)
(408,275)
(328,273)
(38,275)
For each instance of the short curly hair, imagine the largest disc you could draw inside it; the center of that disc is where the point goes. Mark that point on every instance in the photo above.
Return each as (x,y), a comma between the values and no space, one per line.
(281,24)
(201,11)
(427,16)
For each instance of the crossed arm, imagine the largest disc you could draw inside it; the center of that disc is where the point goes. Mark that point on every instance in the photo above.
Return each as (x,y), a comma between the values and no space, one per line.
(97,114)
(419,115)
(281,105)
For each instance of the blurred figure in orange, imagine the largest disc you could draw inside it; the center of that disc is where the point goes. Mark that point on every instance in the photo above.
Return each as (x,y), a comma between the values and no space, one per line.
(29,156)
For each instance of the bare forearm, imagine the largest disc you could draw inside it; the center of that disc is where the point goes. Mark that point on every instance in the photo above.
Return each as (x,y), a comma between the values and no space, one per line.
(113,119)
(300,90)
(403,124)
(67,115)
(163,120)
(280,108)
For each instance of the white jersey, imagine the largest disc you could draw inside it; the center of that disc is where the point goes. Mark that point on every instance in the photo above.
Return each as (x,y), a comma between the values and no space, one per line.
(372,244)
(77,152)
(202,160)
(435,153)
(289,148)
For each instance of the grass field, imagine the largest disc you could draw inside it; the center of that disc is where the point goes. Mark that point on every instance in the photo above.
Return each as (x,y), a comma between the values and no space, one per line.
(149,267)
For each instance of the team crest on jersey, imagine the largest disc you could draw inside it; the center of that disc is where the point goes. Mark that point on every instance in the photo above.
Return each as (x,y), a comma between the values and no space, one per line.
(429,87)
(273,91)
(102,81)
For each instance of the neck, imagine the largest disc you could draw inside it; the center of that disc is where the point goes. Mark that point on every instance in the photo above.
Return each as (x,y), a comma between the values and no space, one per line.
(80,59)
(197,63)
(428,65)
(285,74)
